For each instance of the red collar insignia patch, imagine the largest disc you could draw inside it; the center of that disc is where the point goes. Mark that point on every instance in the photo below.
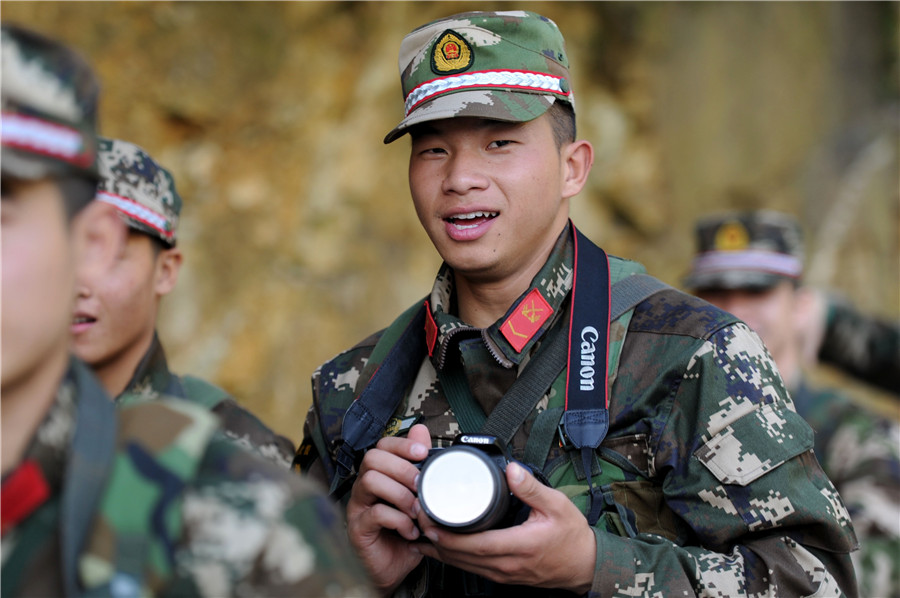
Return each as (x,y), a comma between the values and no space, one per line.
(431,329)
(526,320)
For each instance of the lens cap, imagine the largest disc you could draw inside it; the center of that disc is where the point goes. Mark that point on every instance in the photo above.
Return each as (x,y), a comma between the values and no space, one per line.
(462,488)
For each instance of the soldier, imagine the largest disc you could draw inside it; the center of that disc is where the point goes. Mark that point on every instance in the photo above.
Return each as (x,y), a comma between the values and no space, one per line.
(675,464)
(114,323)
(143,500)
(751,264)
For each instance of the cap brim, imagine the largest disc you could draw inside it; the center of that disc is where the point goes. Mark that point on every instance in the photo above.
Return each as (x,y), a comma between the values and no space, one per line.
(26,165)
(494,104)
(733,279)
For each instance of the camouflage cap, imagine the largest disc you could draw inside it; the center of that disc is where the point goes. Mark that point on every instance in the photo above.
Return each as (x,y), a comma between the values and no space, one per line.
(509,66)
(753,249)
(49,103)
(142,190)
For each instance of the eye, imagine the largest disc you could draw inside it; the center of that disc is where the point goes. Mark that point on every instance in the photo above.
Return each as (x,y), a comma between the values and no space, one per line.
(500,143)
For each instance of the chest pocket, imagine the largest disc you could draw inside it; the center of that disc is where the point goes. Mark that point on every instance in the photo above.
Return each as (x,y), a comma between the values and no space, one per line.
(632,503)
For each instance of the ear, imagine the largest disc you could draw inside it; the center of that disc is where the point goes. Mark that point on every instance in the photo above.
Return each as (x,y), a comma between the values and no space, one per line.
(168,265)
(100,237)
(809,318)
(578,157)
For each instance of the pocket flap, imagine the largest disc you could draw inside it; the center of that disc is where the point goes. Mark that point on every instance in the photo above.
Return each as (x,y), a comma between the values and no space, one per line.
(755,444)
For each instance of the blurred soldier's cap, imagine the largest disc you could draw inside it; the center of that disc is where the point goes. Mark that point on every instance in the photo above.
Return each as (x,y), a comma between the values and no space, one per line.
(509,66)
(49,108)
(142,190)
(741,250)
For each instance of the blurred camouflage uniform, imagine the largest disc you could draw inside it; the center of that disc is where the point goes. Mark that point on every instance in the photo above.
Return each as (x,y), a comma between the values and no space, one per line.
(708,480)
(145,195)
(858,449)
(866,347)
(147,499)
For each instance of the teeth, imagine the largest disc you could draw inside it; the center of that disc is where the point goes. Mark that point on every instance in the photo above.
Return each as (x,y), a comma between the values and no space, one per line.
(82,320)
(473,215)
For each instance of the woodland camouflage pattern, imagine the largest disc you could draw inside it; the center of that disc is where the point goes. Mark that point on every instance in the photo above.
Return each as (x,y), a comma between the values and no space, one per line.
(153,380)
(183,513)
(127,171)
(860,452)
(710,484)
(488,72)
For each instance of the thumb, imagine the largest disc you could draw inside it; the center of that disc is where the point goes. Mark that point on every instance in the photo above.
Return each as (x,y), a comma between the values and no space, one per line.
(523,484)
(419,434)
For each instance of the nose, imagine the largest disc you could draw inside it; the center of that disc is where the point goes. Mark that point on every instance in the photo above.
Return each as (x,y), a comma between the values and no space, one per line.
(82,291)
(464,173)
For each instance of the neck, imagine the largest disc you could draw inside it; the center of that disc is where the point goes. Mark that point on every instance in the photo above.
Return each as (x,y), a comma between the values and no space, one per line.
(115,373)
(25,403)
(789,367)
(481,302)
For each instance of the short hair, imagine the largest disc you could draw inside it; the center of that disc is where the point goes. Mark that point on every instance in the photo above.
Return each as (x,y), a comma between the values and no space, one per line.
(562,120)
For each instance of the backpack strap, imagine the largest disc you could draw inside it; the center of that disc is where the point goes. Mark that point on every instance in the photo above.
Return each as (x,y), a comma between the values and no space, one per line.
(90,462)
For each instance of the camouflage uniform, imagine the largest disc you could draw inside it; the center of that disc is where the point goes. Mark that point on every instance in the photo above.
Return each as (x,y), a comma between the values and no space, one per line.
(146,499)
(709,482)
(145,195)
(858,449)
(867,348)
(181,512)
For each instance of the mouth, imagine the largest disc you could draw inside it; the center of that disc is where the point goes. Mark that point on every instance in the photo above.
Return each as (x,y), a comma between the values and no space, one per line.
(83,320)
(470,219)
(81,323)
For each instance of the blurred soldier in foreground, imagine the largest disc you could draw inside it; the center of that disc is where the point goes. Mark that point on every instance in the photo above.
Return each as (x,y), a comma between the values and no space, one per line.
(141,501)
(675,464)
(750,264)
(114,324)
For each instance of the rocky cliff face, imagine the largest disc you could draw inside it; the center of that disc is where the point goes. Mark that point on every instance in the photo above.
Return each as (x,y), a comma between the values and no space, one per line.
(298,231)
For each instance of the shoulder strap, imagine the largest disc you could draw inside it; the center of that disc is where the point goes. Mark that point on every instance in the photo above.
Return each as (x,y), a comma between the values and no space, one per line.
(365,420)
(201,392)
(628,292)
(90,462)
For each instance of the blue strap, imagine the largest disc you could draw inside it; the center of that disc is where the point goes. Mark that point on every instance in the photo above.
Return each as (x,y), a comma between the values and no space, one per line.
(90,461)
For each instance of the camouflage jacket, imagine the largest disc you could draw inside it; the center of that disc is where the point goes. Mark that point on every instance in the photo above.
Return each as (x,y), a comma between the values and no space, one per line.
(148,500)
(152,379)
(709,482)
(865,347)
(860,453)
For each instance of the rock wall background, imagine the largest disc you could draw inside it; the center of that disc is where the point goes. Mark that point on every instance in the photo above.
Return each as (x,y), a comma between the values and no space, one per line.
(298,231)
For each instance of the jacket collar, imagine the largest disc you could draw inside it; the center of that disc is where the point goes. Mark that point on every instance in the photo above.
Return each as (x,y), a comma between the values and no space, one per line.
(511,338)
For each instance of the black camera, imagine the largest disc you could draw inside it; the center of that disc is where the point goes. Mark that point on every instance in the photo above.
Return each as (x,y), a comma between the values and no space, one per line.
(463,487)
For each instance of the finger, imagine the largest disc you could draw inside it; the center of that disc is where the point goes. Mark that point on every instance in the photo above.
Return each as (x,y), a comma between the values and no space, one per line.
(411,449)
(365,528)
(391,465)
(373,487)
(525,486)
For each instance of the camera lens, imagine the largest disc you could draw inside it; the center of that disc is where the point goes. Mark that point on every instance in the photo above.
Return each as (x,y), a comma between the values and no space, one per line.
(462,488)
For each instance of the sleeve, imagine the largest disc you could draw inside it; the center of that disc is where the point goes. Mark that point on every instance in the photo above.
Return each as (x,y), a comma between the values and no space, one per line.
(253,529)
(865,347)
(734,463)
(863,460)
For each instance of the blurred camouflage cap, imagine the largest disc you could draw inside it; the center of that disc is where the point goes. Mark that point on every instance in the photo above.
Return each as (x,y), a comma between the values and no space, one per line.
(509,66)
(142,190)
(753,249)
(49,103)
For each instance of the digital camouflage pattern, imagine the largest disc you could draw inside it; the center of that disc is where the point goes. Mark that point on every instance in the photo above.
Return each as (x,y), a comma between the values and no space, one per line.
(152,379)
(710,485)
(866,347)
(508,65)
(49,103)
(142,190)
(860,453)
(182,512)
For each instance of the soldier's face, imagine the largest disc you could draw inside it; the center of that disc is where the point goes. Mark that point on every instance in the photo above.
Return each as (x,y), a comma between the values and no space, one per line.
(492,196)
(37,281)
(115,311)
(771,313)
